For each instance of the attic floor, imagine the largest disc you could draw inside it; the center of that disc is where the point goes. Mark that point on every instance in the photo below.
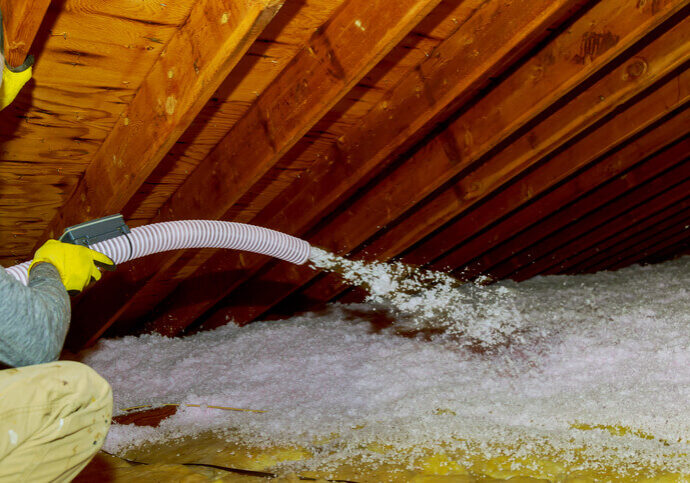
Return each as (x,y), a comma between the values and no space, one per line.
(111,469)
(208,458)
(156,463)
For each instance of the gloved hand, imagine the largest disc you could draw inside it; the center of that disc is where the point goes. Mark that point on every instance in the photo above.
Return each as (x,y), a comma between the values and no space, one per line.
(77,265)
(12,82)
(13,78)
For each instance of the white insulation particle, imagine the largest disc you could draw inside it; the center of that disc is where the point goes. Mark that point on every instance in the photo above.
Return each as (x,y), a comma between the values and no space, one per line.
(482,316)
(559,354)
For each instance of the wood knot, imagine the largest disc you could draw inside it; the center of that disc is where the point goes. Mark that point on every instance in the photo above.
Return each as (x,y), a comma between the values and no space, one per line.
(472,190)
(636,68)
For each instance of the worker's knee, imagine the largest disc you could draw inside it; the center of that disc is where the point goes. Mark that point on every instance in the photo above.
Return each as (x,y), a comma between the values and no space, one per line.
(57,416)
(60,383)
(92,390)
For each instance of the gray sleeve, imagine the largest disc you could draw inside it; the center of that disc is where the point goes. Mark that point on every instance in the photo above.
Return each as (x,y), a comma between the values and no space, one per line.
(33,319)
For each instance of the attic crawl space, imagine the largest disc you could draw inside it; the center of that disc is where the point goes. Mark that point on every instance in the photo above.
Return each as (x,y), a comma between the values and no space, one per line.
(364,240)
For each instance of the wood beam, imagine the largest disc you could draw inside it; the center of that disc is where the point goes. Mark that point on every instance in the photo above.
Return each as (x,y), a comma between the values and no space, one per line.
(581,261)
(676,236)
(585,193)
(670,252)
(195,62)
(336,57)
(147,417)
(353,227)
(484,45)
(581,113)
(490,220)
(22,19)
(634,207)
(629,239)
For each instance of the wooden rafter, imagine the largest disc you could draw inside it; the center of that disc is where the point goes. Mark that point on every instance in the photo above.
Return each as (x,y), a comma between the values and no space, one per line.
(478,130)
(662,57)
(633,208)
(651,247)
(577,157)
(674,217)
(478,255)
(521,229)
(626,123)
(196,60)
(450,75)
(22,18)
(334,60)
(669,251)
(668,231)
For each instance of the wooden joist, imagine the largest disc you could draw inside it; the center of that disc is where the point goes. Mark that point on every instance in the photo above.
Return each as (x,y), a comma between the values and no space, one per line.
(483,45)
(335,59)
(22,19)
(272,51)
(477,131)
(589,107)
(675,217)
(196,60)
(650,141)
(455,246)
(634,207)
(586,192)
(652,246)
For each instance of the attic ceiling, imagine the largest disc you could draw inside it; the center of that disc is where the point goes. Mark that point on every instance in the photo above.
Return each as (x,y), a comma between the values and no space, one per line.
(503,137)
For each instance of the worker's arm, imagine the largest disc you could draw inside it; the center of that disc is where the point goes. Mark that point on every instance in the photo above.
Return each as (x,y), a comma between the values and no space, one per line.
(33,319)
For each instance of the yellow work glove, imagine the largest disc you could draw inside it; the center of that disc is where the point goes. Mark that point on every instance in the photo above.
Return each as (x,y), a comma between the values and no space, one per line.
(77,265)
(12,82)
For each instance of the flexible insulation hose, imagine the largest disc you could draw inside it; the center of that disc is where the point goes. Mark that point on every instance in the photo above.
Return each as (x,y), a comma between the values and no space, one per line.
(174,235)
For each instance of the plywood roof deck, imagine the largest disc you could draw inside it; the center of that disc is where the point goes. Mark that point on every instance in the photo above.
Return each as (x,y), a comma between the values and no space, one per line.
(508,138)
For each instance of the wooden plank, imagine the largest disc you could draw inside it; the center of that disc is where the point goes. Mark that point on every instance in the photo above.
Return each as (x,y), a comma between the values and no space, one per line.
(582,194)
(193,64)
(18,182)
(287,33)
(592,189)
(22,19)
(484,44)
(338,235)
(335,59)
(670,252)
(92,56)
(669,238)
(104,43)
(592,259)
(633,207)
(571,120)
(148,417)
